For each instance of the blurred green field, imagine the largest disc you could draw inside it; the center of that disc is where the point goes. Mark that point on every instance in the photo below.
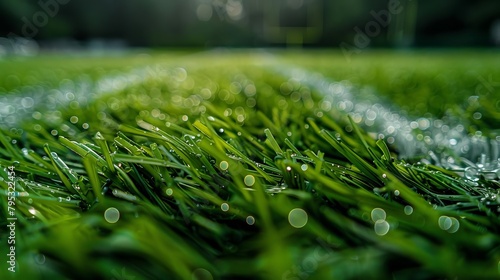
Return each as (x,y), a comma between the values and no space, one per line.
(259,164)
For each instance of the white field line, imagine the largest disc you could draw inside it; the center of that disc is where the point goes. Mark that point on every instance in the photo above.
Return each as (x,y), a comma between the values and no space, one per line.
(15,108)
(442,142)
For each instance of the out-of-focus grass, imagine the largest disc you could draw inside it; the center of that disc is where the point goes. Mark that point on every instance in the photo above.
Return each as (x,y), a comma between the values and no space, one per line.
(50,69)
(211,168)
(423,83)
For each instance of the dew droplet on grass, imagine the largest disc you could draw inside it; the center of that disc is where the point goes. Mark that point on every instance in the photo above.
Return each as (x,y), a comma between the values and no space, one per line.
(471,173)
(201,274)
(112,215)
(224,165)
(408,210)
(297,218)
(250,220)
(169,191)
(39,258)
(455,225)
(249,180)
(378,214)
(303,167)
(381,227)
(224,206)
(445,222)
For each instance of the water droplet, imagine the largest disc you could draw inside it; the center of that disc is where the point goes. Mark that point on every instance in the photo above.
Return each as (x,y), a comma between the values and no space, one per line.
(32,210)
(249,180)
(472,173)
(297,218)
(250,220)
(396,192)
(384,175)
(224,206)
(201,274)
(381,227)
(455,225)
(30,200)
(304,167)
(408,210)
(112,215)
(224,165)
(221,130)
(169,191)
(378,214)
(288,168)
(39,258)
(445,222)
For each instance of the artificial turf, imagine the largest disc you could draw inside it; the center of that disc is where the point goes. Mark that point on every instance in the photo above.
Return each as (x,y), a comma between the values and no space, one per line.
(247,165)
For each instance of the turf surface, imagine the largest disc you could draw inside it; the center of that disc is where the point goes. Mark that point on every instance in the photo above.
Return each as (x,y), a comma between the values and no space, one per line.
(258,165)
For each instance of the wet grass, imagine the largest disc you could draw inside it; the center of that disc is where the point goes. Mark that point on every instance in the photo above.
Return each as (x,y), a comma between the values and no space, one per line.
(208,169)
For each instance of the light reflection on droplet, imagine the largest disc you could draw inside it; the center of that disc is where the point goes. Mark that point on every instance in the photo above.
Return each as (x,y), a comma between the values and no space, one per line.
(297,218)
(472,173)
(224,206)
(378,214)
(169,191)
(381,227)
(445,222)
(249,180)
(201,274)
(303,167)
(112,215)
(250,220)
(408,210)
(224,165)
(455,225)
(39,258)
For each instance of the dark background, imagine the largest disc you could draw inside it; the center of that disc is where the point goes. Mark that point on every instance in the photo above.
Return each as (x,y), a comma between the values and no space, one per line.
(250,23)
